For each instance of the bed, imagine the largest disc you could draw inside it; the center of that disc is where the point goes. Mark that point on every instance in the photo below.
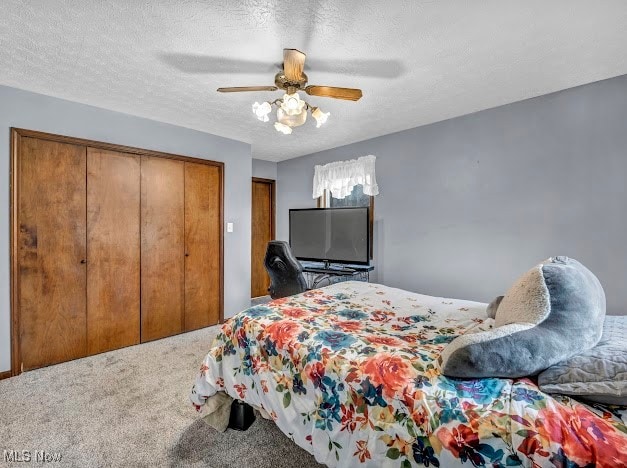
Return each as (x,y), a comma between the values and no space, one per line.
(349,372)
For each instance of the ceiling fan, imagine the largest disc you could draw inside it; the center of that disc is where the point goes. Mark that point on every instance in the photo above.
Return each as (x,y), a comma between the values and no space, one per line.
(291,110)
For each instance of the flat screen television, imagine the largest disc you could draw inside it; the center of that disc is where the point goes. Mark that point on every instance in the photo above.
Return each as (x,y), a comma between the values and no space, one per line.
(334,235)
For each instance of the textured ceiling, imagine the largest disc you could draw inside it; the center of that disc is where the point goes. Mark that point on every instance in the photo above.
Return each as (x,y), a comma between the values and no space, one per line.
(417,61)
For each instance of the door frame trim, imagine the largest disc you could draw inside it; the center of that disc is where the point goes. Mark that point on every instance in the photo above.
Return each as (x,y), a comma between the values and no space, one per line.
(16,135)
(272,184)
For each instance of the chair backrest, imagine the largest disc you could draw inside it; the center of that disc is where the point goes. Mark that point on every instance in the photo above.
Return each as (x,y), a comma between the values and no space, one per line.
(286,273)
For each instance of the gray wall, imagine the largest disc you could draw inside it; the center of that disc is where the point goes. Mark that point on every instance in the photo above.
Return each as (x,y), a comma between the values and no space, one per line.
(37,112)
(468,204)
(264,169)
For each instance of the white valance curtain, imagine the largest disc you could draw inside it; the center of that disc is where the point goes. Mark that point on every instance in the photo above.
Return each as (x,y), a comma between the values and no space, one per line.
(340,177)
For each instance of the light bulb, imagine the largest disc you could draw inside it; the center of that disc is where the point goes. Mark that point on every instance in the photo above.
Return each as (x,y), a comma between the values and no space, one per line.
(321,117)
(284,129)
(292,104)
(262,110)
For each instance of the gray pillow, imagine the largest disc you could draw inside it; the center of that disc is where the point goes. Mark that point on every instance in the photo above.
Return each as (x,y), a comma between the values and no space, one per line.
(551,313)
(599,374)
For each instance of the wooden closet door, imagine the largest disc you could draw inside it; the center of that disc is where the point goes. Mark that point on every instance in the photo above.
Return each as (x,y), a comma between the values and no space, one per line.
(51,252)
(203,227)
(113,250)
(262,232)
(162,247)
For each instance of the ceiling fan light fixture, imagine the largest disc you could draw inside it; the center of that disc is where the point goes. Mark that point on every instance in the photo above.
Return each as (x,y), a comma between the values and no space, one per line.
(284,129)
(291,109)
(321,117)
(262,110)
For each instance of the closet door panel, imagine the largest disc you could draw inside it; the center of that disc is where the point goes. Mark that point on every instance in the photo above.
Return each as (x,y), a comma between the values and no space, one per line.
(113,250)
(162,247)
(203,225)
(51,252)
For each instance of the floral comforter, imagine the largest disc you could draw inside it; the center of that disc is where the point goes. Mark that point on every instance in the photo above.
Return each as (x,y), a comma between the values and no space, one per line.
(350,373)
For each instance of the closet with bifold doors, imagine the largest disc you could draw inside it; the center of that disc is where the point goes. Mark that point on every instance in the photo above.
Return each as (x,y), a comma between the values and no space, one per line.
(111,246)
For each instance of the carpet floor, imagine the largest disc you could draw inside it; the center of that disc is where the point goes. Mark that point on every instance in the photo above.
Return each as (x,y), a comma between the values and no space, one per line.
(130,408)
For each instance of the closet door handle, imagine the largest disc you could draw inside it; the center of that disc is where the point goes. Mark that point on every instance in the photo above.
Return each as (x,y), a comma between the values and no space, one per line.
(83,261)
(187,254)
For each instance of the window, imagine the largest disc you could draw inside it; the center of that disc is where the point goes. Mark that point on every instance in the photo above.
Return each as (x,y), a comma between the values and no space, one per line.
(357,198)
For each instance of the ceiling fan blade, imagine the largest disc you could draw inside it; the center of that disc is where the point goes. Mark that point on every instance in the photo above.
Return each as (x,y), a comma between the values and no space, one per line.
(350,94)
(293,64)
(238,89)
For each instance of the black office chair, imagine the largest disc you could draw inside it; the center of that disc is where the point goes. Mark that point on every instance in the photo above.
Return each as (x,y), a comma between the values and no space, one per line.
(286,273)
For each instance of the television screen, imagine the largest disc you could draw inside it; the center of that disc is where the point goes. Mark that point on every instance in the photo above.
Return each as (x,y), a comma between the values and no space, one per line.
(338,235)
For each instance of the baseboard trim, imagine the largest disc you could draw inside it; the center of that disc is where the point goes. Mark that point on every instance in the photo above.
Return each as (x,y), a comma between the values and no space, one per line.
(5,374)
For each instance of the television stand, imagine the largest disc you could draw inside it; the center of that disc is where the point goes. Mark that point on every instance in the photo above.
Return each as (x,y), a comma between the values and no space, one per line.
(316,273)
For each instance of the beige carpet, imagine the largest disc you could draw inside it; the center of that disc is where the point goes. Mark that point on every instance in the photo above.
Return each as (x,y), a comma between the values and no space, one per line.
(130,408)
